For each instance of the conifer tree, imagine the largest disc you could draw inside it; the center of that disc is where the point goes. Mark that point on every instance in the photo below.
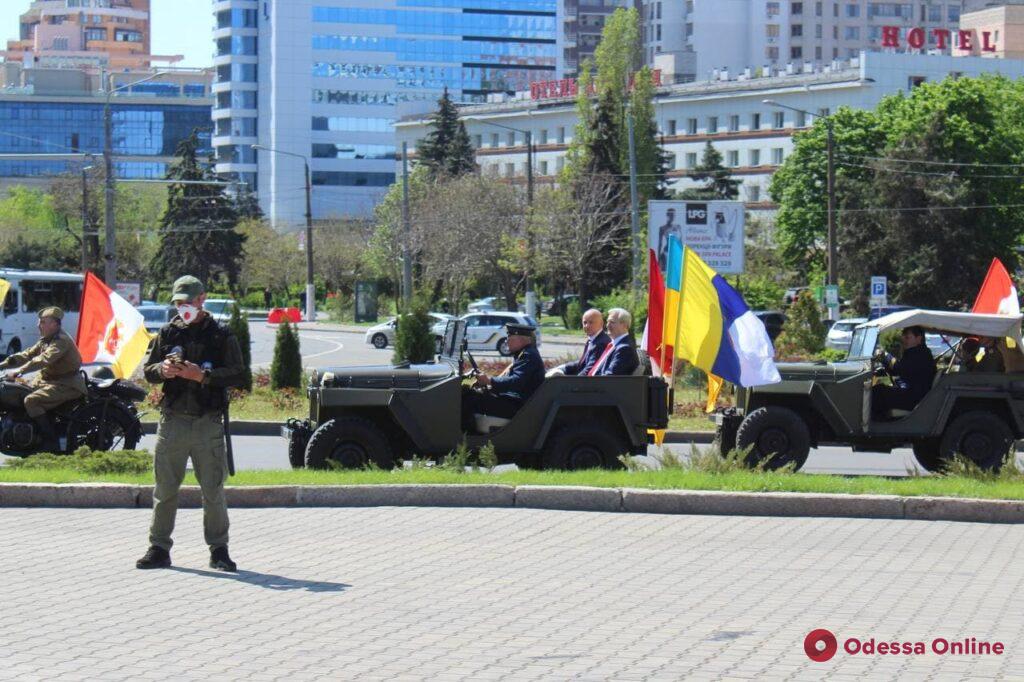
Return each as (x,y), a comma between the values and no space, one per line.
(239,326)
(446,150)
(286,367)
(718,181)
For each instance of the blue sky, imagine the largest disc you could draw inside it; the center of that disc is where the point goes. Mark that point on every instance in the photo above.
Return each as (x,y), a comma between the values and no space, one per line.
(179,27)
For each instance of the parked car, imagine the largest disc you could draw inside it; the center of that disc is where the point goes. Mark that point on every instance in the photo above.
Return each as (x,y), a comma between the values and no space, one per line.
(884,310)
(486,331)
(557,306)
(383,335)
(219,308)
(773,320)
(841,333)
(156,316)
(483,305)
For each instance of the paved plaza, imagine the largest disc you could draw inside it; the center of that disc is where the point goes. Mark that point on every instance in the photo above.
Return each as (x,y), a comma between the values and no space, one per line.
(487,594)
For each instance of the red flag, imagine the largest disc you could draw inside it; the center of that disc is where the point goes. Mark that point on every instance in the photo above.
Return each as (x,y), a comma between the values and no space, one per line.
(998,295)
(110,330)
(656,316)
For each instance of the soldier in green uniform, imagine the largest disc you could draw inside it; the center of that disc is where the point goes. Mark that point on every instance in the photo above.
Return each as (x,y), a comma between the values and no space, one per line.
(60,379)
(197,360)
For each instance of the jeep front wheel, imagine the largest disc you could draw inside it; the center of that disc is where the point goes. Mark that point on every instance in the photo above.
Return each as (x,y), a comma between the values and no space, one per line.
(926,452)
(584,445)
(349,443)
(981,437)
(776,436)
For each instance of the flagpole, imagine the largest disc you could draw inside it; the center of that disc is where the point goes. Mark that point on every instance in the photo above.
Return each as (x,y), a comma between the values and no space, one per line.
(679,319)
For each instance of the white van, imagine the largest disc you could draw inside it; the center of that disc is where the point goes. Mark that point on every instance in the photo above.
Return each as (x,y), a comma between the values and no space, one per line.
(31,291)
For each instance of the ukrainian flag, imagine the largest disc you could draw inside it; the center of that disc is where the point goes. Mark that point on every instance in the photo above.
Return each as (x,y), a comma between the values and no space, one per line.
(712,326)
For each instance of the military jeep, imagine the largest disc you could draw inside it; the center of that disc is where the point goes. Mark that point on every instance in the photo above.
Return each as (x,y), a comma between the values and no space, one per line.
(384,415)
(978,415)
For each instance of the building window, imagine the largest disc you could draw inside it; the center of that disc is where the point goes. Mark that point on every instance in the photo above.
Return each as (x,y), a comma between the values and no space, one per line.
(817,52)
(772,53)
(771,30)
(755,157)
(543,136)
(777,156)
(671,126)
(852,10)
(817,9)
(796,52)
(511,139)
(755,121)
(559,164)
(494,139)
(712,125)
(733,157)
(561,135)
(796,9)
(914,81)
(852,33)
(95,34)
(935,13)
(953,13)
(691,126)
(478,141)
(778,120)
(734,123)
(543,167)
(510,170)
(691,160)
(753,193)
(796,30)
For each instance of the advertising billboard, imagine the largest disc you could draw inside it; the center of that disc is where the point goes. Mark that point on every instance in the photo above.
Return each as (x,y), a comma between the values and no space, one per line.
(713,229)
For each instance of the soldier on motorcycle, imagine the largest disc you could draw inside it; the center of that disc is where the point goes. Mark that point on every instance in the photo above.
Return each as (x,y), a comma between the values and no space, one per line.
(60,379)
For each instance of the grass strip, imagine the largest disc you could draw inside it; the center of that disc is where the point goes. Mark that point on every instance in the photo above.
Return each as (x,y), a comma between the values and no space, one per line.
(735,481)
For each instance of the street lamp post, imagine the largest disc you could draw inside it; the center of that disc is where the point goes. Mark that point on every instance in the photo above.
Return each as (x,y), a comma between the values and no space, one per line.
(310,288)
(830,145)
(85,216)
(110,246)
(531,297)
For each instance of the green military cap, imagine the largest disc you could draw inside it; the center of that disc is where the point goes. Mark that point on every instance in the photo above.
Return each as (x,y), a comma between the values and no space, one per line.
(53,311)
(187,288)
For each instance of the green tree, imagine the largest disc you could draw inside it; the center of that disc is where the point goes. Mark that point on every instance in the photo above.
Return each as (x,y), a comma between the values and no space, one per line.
(446,150)
(717,179)
(805,331)
(286,367)
(384,251)
(650,155)
(198,234)
(414,340)
(239,326)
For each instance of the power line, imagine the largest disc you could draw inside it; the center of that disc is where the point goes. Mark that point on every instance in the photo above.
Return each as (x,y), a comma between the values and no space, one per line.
(934,163)
(947,174)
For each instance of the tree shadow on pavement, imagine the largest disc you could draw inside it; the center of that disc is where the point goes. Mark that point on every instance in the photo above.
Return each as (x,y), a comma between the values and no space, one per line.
(267,580)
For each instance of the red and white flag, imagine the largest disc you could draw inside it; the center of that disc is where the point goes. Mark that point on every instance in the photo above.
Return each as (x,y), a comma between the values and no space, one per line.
(998,295)
(110,329)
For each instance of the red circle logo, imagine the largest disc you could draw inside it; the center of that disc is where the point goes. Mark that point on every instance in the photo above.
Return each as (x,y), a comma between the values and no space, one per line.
(820,645)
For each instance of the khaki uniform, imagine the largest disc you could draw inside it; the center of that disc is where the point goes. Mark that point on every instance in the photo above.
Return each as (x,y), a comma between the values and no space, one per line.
(60,378)
(191,426)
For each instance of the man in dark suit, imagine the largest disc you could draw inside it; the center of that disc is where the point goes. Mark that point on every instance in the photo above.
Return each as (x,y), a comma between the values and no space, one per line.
(912,375)
(597,341)
(619,358)
(503,395)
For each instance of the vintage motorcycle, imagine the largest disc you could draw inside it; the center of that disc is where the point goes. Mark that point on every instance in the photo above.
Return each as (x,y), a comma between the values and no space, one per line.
(106,418)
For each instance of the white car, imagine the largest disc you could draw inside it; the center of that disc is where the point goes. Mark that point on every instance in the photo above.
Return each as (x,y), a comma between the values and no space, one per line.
(841,333)
(219,308)
(156,316)
(383,335)
(484,305)
(486,331)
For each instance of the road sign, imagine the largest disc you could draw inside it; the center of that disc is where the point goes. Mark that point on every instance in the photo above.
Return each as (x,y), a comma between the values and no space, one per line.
(832,296)
(879,292)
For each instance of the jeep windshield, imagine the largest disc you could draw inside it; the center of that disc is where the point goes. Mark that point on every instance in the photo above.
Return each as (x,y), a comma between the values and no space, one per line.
(863,344)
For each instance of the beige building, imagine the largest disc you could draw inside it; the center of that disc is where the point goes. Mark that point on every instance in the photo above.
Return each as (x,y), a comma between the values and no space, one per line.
(112,34)
(1004,27)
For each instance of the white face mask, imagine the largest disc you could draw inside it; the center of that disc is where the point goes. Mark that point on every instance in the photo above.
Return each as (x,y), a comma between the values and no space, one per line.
(189,313)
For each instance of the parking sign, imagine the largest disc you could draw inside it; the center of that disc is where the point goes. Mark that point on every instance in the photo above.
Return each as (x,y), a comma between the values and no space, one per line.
(879,291)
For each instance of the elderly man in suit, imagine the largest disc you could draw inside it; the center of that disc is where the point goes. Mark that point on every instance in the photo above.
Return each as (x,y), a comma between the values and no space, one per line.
(620,357)
(597,341)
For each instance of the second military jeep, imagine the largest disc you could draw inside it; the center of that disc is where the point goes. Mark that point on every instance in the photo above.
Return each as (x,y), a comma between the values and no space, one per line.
(978,415)
(385,415)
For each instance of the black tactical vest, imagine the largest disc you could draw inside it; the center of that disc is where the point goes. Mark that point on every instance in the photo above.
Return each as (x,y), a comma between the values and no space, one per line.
(203,345)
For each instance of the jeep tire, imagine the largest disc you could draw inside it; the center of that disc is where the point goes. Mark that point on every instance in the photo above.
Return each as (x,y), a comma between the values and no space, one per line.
(979,436)
(350,443)
(586,444)
(777,434)
(926,452)
(296,453)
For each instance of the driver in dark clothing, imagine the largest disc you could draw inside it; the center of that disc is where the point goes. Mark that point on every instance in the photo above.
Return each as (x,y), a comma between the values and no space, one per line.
(912,375)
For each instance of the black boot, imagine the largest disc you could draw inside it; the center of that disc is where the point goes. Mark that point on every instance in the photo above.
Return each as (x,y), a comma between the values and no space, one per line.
(48,435)
(155,557)
(220,560)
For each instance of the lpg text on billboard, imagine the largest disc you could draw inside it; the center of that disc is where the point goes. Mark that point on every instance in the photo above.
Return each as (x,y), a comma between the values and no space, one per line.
(713,229)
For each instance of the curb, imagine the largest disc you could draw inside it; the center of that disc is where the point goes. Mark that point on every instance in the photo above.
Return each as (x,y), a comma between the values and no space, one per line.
(567,498)
(265,428)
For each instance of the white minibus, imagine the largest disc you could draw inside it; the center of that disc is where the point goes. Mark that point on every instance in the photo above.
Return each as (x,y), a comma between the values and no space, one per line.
(31,291)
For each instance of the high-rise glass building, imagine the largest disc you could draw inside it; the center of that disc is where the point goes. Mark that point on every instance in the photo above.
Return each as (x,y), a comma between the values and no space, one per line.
(327,79)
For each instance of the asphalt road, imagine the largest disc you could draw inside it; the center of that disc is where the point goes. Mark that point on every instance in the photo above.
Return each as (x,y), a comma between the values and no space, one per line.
(269,452)
(331,347)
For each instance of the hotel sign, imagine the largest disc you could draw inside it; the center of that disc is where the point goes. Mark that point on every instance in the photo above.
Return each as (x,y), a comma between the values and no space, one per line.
(966,41)
(568,87)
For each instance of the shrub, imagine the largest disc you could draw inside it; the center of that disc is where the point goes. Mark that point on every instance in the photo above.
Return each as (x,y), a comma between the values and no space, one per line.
(239,326)
(414,340)
(623,298)
(805,331)
(89,461)
(571,318)
(286,367)
(832,355)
